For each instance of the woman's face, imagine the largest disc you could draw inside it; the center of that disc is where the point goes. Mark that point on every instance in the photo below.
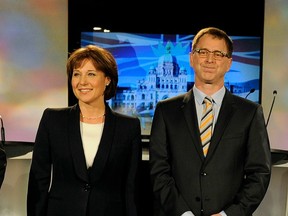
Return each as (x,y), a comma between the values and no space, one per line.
(88,83)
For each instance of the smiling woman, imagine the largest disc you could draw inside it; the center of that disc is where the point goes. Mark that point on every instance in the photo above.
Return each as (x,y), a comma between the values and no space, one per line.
(105,145)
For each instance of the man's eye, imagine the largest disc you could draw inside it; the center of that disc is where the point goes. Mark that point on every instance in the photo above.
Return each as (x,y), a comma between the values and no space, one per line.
(218,54)
(202,52)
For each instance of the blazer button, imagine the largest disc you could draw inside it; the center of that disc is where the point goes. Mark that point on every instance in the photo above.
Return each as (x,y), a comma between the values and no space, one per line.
(87,187)
(198,199)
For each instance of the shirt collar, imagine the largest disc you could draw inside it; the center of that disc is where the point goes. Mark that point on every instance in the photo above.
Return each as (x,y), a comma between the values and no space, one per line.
(217,96)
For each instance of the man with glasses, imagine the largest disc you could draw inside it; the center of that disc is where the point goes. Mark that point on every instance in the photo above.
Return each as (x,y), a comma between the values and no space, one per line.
(222,168)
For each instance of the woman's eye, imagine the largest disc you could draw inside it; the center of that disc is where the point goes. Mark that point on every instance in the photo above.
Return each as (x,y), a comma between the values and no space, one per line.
(91,74)
(75,74)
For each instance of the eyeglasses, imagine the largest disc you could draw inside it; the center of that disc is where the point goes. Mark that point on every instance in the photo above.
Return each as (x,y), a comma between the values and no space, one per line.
(217,55)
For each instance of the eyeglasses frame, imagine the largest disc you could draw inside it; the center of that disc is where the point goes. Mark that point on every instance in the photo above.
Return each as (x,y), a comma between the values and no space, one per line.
(213,52)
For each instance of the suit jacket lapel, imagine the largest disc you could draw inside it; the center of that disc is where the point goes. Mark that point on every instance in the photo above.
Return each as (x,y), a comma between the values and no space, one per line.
(225,114)
(189,110)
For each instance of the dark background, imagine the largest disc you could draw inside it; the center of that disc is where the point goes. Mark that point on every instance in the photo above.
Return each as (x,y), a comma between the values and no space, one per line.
(240,17)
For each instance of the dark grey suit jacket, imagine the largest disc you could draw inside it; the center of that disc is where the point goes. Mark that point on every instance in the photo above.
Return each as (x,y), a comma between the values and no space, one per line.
(235,174)
(108,188)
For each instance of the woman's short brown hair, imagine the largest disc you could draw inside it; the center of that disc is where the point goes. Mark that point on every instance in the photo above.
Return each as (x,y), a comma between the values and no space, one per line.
(102,60)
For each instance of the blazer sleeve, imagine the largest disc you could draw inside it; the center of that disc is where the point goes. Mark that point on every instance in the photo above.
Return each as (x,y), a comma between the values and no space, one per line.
(40,171)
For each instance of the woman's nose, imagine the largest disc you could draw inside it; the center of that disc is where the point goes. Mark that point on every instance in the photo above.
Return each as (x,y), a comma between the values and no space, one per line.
(83,80)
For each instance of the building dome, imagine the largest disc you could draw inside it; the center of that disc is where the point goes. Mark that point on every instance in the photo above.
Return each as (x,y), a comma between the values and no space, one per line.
(167,57)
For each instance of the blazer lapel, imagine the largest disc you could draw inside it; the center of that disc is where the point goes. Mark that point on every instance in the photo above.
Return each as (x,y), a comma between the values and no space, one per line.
(104,146)
(76,143)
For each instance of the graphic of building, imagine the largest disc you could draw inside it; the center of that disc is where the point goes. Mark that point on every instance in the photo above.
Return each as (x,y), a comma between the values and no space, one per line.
(163,81)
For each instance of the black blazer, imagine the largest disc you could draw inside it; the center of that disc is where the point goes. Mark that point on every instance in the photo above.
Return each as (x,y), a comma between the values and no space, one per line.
(107,188)
(234,176)
(3,164)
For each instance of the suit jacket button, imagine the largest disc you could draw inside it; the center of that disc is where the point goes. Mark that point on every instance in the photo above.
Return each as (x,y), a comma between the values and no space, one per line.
(87,187)
(198,199)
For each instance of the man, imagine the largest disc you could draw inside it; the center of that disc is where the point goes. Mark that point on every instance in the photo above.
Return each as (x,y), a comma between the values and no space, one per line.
(232,175)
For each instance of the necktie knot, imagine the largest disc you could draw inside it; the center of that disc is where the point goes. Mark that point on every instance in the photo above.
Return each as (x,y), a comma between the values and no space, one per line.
(208,100)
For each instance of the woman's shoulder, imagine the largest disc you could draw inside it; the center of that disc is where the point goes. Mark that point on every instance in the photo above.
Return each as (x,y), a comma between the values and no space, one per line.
(61,109)
(59,112)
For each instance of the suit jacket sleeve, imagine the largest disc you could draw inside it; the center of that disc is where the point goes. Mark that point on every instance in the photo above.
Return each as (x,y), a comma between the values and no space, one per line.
(132,184)
(257,168)
(164,187)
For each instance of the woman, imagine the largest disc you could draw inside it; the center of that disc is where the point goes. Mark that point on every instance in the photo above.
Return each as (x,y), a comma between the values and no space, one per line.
(86,156)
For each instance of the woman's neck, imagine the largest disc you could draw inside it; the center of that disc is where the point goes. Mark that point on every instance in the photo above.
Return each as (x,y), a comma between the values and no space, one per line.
(92,114)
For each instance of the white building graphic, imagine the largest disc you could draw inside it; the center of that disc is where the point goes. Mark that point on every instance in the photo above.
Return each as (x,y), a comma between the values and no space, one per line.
(163,81)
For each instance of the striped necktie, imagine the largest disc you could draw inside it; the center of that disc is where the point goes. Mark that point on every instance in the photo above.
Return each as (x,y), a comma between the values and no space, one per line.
(206,124)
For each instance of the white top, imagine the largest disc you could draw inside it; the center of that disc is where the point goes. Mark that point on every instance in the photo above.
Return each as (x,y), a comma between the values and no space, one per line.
(91,136)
